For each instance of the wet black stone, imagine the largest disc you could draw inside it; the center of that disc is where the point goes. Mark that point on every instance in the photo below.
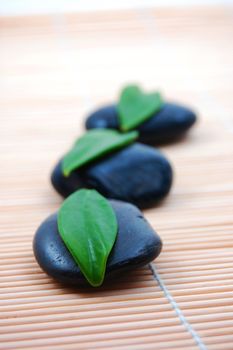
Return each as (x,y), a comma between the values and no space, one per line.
(168,125)
(138,174)
(137,244)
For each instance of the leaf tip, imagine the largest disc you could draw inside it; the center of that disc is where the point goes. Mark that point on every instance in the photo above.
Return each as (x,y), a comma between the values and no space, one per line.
(65,170)
(135,134)
(96,283)
(124,128)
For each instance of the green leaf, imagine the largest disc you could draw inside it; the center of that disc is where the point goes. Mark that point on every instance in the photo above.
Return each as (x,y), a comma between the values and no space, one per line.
(88,226)
(93,145)
(135,106)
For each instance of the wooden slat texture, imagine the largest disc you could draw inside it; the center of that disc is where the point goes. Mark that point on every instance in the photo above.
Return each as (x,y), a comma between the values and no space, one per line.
(53,71)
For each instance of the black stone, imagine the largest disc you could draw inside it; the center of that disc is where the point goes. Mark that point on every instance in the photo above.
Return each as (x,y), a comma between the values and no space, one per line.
(136,244)
(138,174)
(168,125)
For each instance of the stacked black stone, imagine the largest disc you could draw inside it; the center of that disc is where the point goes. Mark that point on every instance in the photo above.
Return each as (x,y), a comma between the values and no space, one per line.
(138,174)
(136,244)
(168,125)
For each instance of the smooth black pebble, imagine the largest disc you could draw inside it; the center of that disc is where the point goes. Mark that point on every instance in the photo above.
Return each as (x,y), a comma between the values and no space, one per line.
(168,125)
(136,245)
(138,174)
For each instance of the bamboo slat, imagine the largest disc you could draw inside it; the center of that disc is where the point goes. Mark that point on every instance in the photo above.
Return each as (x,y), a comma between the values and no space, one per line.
(54,69)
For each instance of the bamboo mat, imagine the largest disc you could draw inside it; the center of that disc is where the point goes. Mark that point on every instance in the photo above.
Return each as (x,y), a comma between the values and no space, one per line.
(53,71)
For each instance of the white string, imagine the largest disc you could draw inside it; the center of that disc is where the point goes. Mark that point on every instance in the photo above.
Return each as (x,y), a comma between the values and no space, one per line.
(178,311)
